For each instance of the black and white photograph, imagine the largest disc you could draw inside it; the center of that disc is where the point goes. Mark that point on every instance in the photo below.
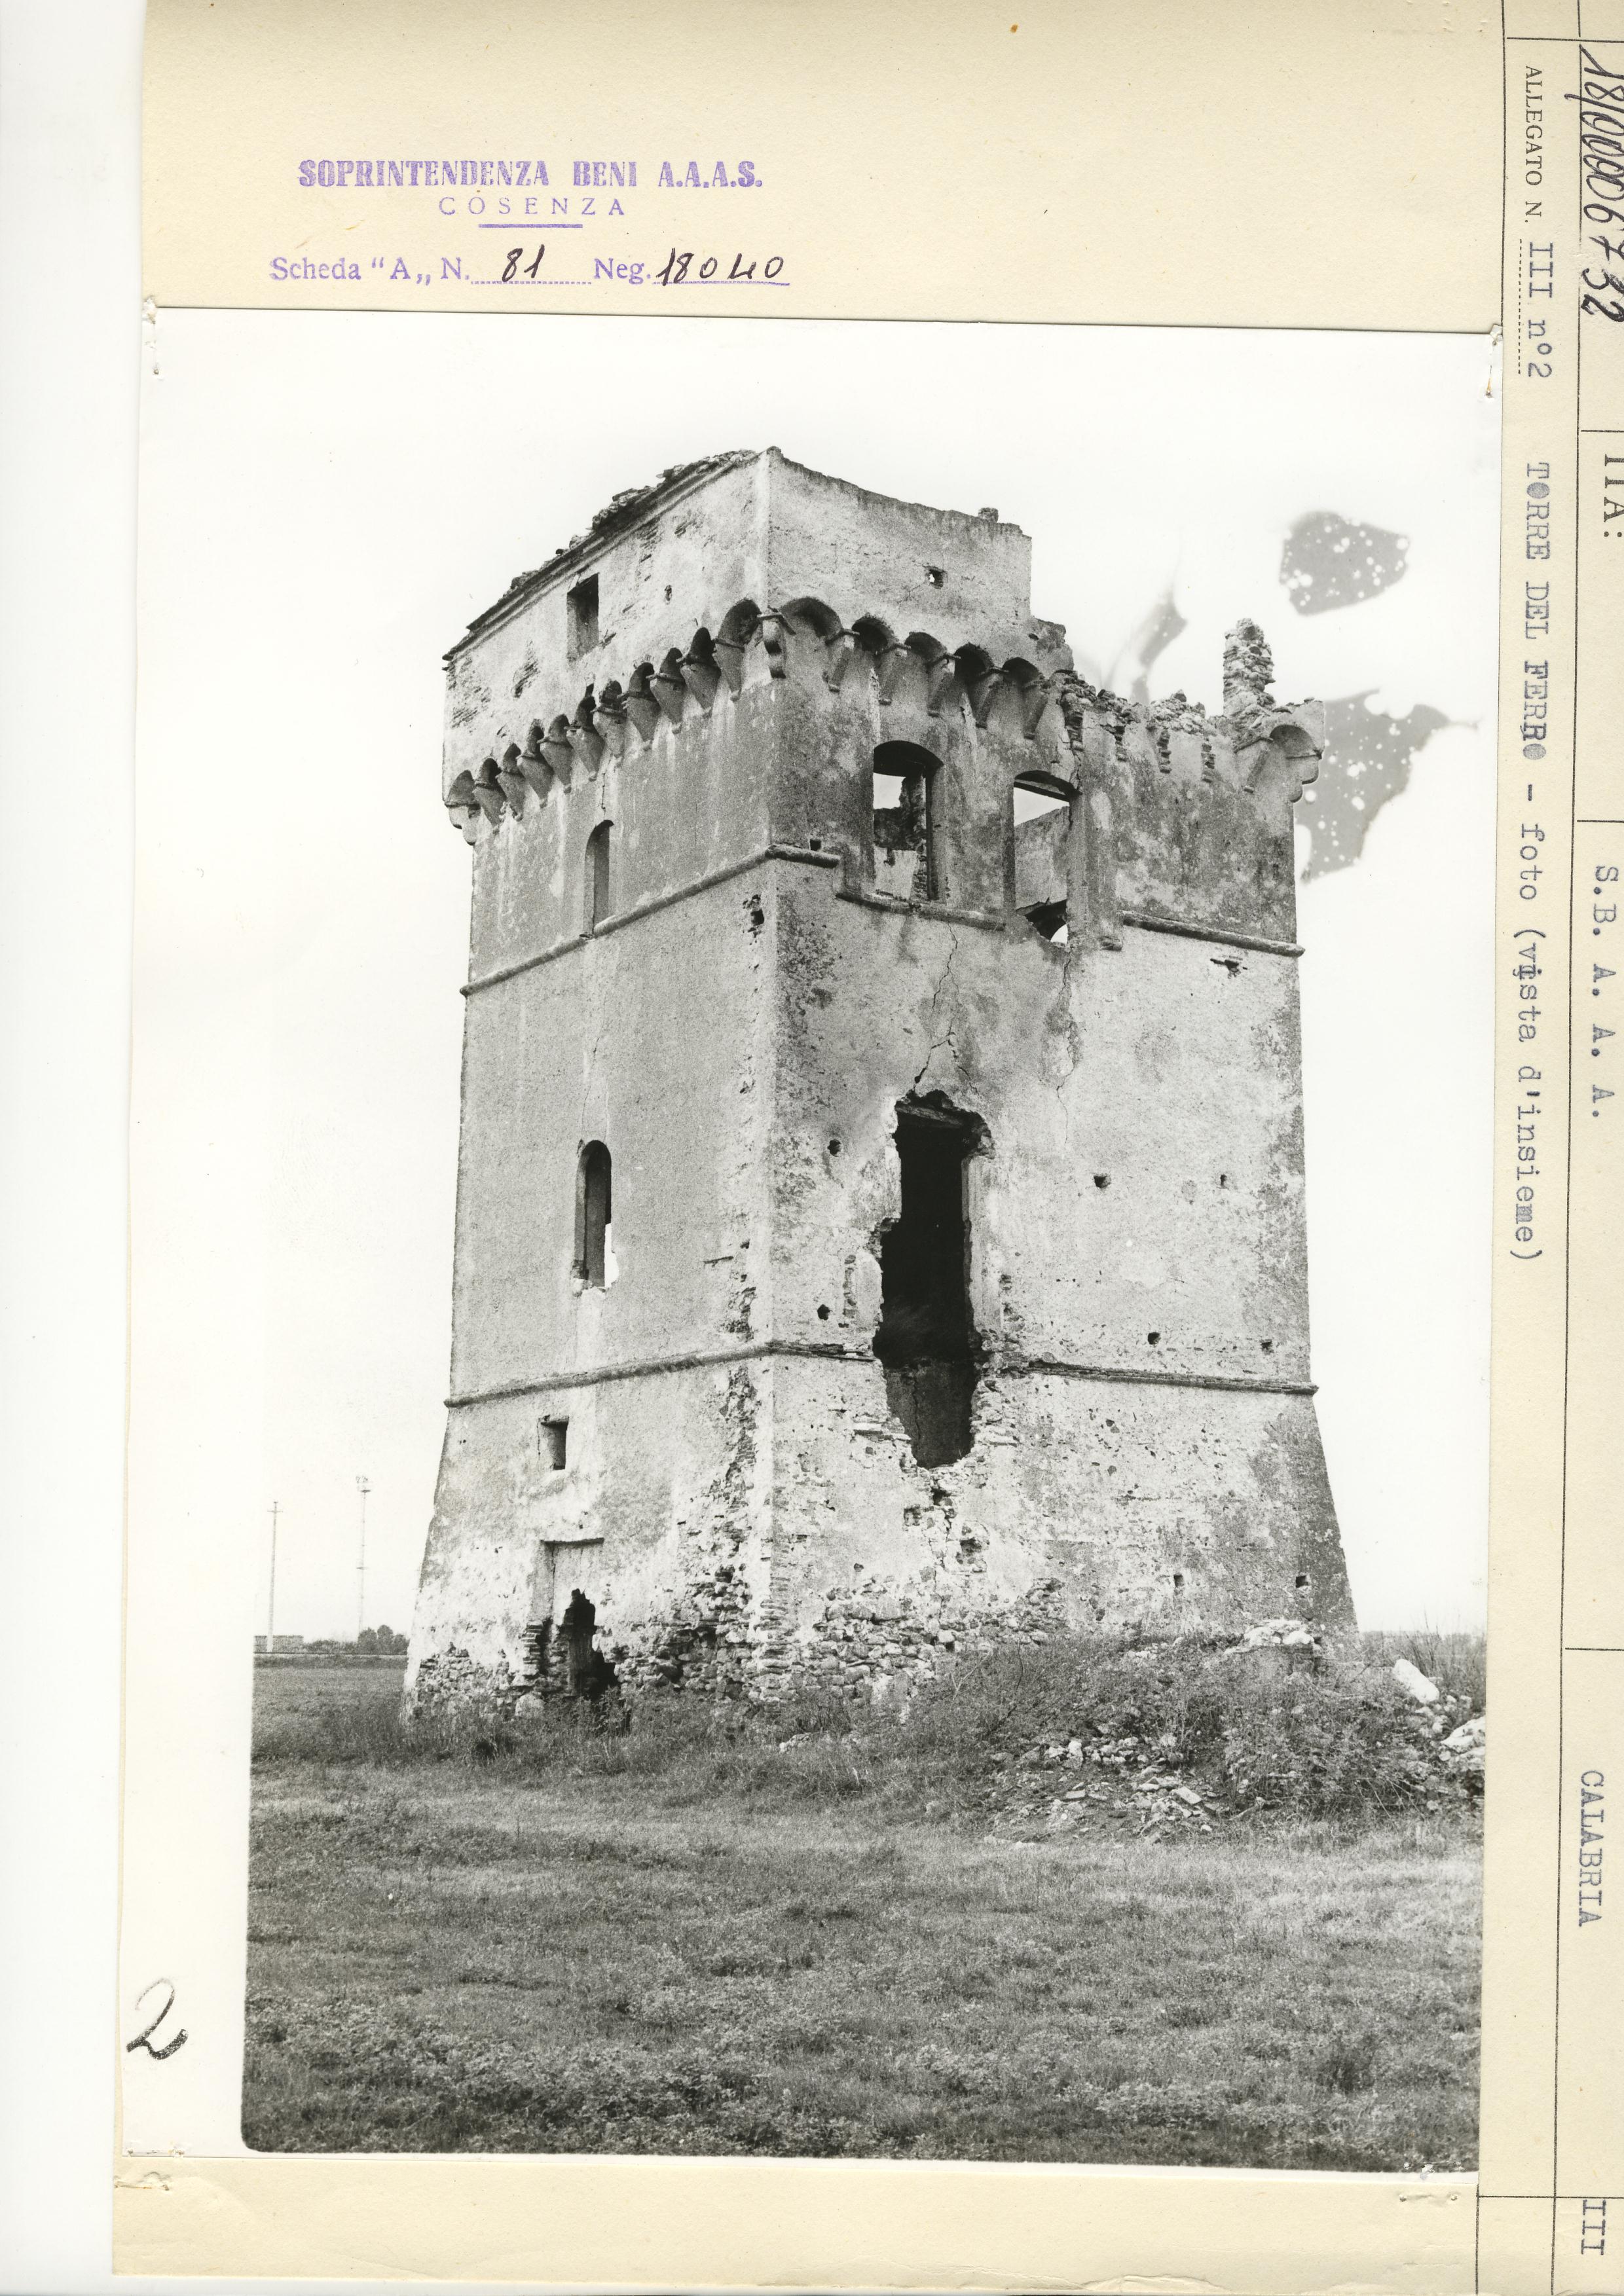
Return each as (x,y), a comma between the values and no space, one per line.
(860,1162)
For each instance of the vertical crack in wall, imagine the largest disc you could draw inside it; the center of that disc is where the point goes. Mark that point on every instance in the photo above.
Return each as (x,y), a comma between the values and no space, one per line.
(940,990)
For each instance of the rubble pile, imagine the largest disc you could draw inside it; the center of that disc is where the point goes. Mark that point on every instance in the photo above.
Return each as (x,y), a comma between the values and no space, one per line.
(1118,1778)
(1149,1783)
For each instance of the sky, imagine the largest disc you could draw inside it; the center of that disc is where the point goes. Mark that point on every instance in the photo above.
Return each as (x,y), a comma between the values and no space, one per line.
(329,498)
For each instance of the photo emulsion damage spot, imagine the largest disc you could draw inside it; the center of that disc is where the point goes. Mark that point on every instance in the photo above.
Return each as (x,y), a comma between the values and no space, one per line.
(913,1656)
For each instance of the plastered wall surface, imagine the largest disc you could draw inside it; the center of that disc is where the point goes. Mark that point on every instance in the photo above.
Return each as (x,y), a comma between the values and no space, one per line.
(741,1007)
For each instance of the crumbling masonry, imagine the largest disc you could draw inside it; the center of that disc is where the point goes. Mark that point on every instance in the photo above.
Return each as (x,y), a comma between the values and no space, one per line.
(880,1220)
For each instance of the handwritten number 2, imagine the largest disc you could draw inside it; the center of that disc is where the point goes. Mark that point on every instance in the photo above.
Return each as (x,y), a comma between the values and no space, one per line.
(144,2038)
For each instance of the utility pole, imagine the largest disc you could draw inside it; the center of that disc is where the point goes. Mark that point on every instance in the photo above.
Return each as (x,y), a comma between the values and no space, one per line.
(270,1631)
(363,1485)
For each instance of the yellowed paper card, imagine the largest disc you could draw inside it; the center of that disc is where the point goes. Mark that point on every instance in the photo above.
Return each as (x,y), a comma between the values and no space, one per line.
(1268,166)
(1551,2137)
(348,209)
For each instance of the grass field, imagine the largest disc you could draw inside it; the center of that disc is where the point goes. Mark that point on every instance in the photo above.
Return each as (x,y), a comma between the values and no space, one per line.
(445,1958)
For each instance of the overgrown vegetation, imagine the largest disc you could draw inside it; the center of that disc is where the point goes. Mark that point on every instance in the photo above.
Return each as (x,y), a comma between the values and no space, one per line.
(1255,1733)
(699,1930)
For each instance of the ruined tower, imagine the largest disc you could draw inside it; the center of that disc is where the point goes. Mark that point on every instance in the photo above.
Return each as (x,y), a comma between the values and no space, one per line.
(879,1219)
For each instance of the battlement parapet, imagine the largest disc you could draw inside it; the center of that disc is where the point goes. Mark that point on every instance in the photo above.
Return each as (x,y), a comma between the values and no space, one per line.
(1178,817)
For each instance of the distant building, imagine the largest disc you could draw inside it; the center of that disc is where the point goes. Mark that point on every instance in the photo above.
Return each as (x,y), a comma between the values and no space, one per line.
(879,1221)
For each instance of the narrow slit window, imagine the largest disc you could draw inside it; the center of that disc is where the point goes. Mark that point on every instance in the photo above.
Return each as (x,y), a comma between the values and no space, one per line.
(555,1441)
(594,1212)
(600,900)
(1040,833)
(581,606)
(904,829)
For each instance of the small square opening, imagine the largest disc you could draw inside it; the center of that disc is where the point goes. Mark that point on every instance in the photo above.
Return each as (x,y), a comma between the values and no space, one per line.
(582,607)
(554,1435)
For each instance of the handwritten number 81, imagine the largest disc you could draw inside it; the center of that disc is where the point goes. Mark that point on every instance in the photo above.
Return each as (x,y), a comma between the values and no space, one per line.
(515,257)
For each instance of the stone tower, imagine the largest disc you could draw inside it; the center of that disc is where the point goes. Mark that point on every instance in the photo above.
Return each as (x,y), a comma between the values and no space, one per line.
(879,1219)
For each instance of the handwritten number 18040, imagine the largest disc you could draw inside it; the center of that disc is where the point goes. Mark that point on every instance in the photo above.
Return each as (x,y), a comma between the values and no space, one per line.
(675,271)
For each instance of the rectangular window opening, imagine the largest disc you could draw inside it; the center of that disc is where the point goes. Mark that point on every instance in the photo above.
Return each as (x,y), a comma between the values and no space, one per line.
(553,1435)
(1040,817)
(904,826)
(581,606)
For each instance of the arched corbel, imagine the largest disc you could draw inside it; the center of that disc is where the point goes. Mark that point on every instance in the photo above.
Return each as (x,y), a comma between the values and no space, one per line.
(979,679)
(699,669)
(1297,736)
(868,636)
(556,751)
(984,692)
(810,618)
(462,806)
(669,687)
(1025,679)
(533,766)
(894,664)
(641,706)
(1261,727)
(1035,708)
(936,662)
(609,720)
(512,781)
(733,642)
(840,652)
(487,791)
(585,740)
(875,636)
(942,676)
